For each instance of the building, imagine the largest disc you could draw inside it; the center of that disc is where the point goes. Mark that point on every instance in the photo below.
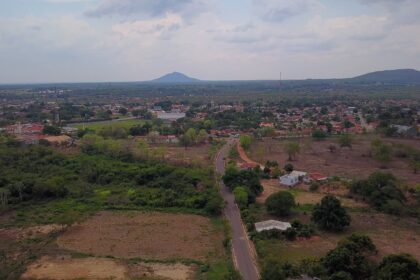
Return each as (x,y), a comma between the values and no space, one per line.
(293,178)
(170,116)
(405,131)
(272,224)
(318,177)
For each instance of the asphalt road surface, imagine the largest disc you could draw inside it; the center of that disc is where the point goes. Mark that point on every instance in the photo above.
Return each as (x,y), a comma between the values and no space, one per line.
(242,251)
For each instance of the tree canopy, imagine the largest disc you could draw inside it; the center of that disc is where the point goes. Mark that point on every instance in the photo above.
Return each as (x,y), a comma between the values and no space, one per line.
(280,203)
(330,215)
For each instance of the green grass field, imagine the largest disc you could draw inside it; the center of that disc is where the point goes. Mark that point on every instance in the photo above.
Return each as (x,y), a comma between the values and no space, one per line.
(98,125)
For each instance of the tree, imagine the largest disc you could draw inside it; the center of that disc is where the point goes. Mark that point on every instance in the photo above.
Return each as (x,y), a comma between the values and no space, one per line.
(245,141)
(332,148)
(348,124)
(398,267)
(350,258)
(330,215)
(345,140)
(123,111)
(51,130)
(272,271)
(382,191)
(190,137)
(381,151)
(4,197)
(241,197)
(113,131)
(415,165)
(202,136)
(319,134)
(280,203)
(288,167)
(292,148)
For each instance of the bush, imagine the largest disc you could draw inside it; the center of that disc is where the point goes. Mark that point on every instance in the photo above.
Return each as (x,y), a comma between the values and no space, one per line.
(319,134)
(280,203)
(288,167)
(382,192)
(314,186)
(290,233)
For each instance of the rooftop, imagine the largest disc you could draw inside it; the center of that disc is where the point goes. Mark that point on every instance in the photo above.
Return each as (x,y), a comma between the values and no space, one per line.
(271,224)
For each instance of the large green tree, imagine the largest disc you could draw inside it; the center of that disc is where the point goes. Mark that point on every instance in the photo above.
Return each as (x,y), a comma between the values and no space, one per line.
(398,267)
(330,215)
(280,203)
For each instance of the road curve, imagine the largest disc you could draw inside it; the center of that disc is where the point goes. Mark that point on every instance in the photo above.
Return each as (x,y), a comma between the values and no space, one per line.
(243,254)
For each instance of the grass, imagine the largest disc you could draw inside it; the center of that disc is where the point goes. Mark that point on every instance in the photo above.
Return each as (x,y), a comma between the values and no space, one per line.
(124,124)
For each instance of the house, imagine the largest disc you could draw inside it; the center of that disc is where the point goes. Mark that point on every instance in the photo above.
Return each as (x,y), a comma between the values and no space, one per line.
(405,131)
(272,224)
(318,177)
(248,165)
(293,178)
(154,137)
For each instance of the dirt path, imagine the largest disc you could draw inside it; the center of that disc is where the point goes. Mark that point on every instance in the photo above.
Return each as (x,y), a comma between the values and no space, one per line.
(244,156)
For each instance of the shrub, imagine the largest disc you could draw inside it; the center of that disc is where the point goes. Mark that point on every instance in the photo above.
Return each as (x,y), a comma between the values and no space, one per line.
(288,167)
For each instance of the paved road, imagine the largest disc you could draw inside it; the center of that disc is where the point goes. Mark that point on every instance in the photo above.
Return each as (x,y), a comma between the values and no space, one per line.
(243,254)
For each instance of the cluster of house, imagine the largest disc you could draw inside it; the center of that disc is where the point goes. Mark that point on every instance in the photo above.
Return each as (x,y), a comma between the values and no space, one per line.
(295,177)
(32,133)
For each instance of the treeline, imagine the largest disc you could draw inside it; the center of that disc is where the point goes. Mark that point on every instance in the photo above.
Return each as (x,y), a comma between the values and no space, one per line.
(111,180)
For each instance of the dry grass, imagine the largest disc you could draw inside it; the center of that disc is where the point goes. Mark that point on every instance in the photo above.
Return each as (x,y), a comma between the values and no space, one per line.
(146,235)
(351,163)
(65,267)
(302,196)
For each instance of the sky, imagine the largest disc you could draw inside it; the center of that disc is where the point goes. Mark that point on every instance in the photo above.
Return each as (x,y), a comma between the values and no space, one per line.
(137,40)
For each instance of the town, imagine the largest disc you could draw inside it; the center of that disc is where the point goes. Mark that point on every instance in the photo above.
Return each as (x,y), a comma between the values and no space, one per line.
(283,159)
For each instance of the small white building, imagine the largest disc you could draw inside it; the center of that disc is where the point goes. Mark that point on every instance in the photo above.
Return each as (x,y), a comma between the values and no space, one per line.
(272,224)
(293,178)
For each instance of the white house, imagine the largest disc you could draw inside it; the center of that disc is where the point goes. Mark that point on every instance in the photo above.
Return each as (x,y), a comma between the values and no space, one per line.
(293,178)
(272,224)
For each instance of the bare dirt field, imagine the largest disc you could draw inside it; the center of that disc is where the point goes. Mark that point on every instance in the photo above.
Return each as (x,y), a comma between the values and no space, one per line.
(198,155)
(65,267)
(391,235)
(303,196)
(152,235)
(350,163)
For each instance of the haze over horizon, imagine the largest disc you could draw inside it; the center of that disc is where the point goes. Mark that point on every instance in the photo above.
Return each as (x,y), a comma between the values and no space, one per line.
(129,40)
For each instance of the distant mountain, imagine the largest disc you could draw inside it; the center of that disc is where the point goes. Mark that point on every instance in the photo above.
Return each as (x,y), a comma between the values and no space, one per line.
(403,76)
(175,77)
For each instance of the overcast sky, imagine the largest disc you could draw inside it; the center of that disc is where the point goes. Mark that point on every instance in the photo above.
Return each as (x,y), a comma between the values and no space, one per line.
(134,40)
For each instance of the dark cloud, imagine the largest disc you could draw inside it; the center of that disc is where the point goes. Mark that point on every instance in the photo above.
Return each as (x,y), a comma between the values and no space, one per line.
(148,8)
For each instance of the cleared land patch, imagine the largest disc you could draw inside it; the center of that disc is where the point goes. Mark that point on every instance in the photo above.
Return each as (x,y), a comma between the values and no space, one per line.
(315,156)
(65,267)
(152,235)
(85,268)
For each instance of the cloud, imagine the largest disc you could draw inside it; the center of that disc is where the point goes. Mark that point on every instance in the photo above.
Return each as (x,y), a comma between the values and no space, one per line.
(161,28)
(149,8)
(279,11)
